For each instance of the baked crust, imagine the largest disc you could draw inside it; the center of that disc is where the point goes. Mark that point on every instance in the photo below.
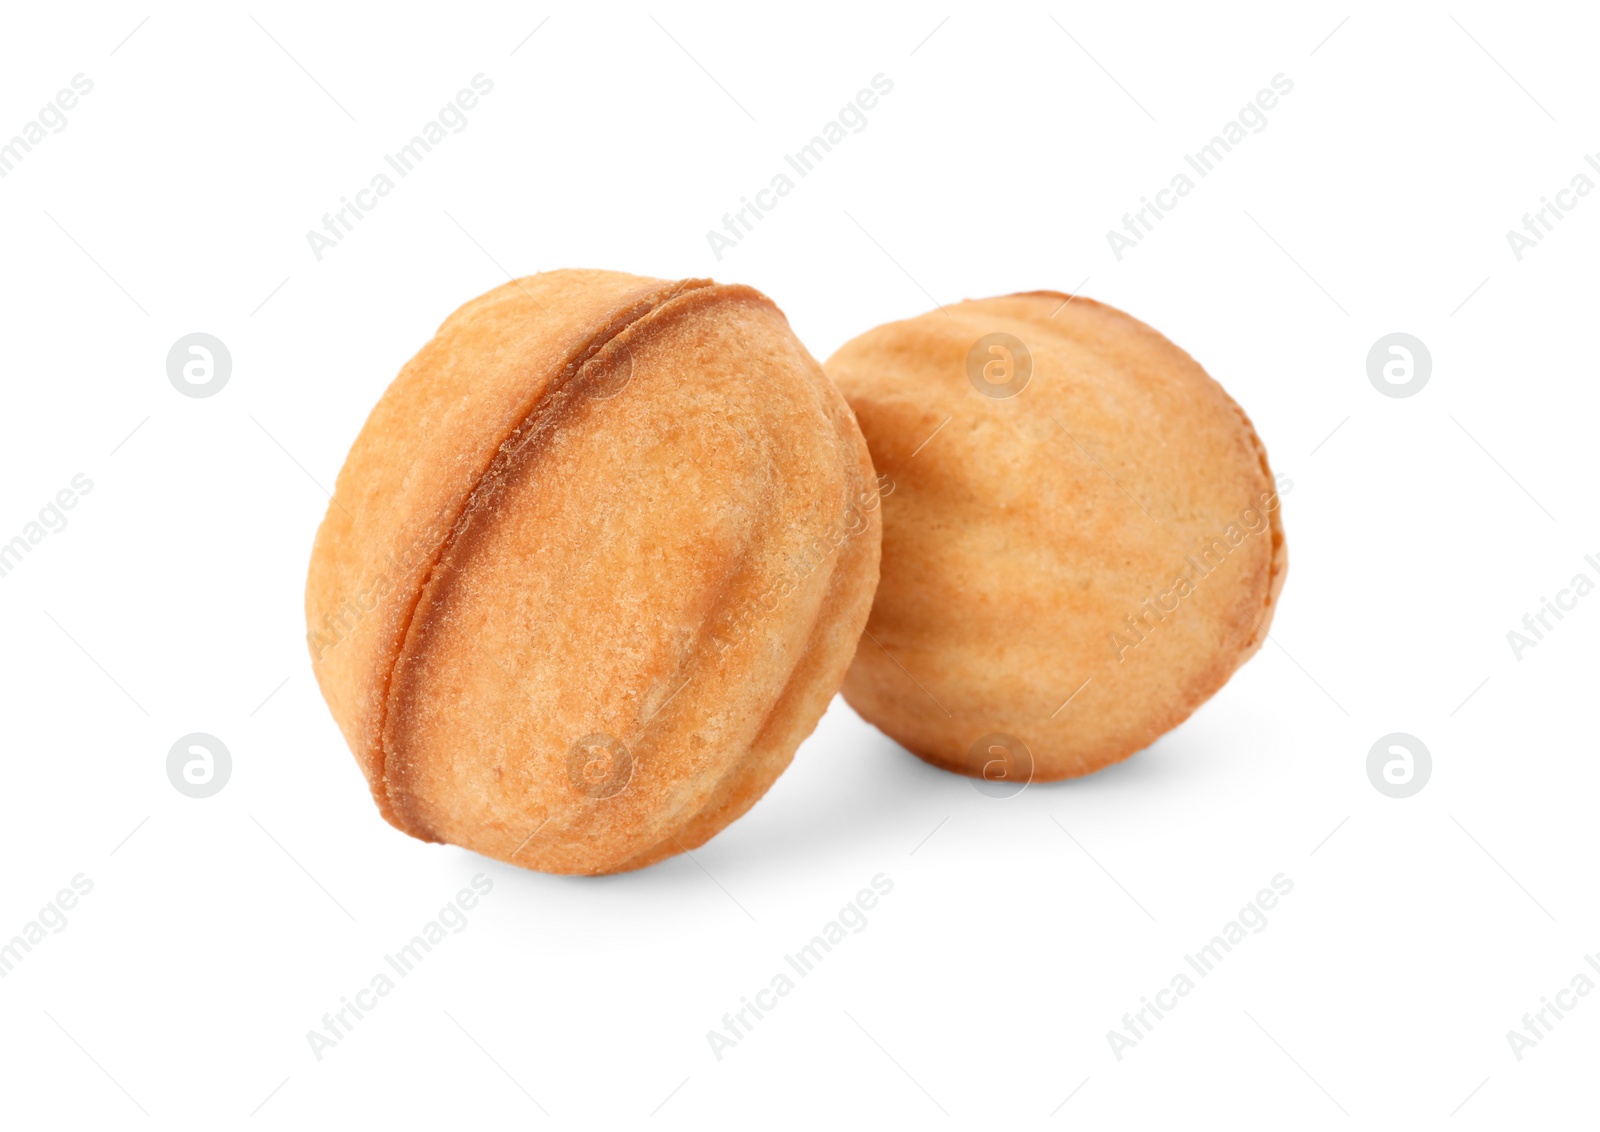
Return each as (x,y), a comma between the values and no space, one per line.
(599,521)
(1022,542)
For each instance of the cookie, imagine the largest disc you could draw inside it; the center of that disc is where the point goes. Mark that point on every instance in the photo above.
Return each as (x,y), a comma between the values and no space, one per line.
(592,570)
(1081,543)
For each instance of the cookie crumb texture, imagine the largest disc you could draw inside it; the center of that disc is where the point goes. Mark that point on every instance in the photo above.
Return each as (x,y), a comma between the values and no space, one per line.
(593,569)
(1076,560)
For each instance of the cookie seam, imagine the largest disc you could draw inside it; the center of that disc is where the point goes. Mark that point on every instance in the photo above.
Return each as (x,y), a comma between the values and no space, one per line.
(664,303)
(595,339)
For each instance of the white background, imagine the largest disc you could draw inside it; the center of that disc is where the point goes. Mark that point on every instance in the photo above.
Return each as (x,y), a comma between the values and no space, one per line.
(1019,931)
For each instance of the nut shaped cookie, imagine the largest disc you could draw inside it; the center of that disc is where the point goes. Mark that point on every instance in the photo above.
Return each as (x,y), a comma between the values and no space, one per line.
(1081,535)
(593,568)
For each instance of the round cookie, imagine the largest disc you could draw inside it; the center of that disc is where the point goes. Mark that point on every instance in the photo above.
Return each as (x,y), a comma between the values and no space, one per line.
(592,570)
(1081,535)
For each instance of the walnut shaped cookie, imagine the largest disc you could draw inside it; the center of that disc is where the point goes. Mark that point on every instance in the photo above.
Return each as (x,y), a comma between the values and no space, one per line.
(1082,541)
(594,567)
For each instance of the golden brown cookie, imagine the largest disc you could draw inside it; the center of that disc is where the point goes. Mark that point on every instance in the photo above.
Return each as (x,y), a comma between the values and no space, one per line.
(1081,541)
(593,569)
